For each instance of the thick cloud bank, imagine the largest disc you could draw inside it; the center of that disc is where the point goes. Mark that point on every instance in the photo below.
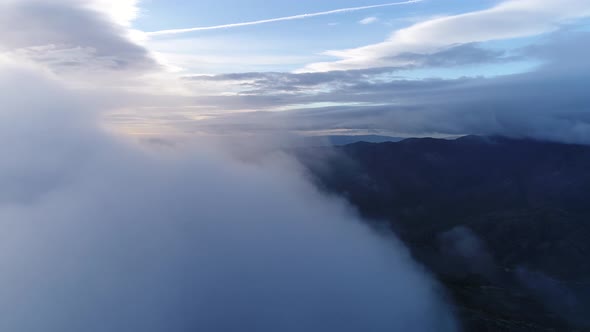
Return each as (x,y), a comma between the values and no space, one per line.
(73,35)
(97,235)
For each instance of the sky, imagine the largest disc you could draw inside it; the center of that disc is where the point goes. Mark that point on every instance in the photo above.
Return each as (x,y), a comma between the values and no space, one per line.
(402,69)
(278,46)
(410,68)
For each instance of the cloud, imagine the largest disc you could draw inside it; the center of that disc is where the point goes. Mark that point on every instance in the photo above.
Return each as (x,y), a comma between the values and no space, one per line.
(279,19)
(465,251)
(455,56)
(369,20)
(549,102)
(123,12)
(304,83)
(88,40)
(259,83)
(509,19)
(99,234)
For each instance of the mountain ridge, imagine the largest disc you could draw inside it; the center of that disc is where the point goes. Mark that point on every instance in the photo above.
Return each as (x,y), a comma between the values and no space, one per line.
(481,213)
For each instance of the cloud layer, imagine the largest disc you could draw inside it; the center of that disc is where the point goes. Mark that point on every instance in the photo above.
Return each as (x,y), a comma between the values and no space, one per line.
(509,19)
(547,102)
(99,234)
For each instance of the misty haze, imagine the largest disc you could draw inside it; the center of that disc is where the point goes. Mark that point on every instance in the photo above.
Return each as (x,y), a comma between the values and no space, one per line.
(240,165)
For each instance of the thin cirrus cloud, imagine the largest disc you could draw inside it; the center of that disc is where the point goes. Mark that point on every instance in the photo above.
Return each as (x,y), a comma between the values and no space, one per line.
(279,19)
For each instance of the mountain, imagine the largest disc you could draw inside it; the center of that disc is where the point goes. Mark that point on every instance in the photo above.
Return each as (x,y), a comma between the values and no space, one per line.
(338,140)
(503,223)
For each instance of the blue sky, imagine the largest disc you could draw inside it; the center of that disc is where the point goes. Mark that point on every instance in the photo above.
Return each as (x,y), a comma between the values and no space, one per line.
(285,45)
(334,72)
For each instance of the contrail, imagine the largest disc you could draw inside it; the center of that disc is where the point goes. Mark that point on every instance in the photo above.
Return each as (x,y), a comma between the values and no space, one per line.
(279,19)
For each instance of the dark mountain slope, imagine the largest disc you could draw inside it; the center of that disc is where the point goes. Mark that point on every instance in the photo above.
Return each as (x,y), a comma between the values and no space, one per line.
(503,223)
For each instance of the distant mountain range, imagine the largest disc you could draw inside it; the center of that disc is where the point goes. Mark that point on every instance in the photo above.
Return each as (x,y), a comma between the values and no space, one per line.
(338,140)
(503,223)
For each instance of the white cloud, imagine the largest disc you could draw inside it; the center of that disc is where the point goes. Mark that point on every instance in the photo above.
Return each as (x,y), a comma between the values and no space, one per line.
(369,20)
(100,235)
(121,11)
(79,37)
(510,19)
